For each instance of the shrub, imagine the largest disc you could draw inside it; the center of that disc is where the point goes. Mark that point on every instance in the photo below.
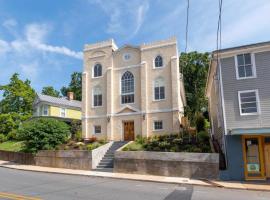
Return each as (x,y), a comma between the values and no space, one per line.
(200,122)
(78,136)
(92,139)
(92,146)
(76,126)
(203,137)
(3,138)
(43,134)
(12,135)
(140,140)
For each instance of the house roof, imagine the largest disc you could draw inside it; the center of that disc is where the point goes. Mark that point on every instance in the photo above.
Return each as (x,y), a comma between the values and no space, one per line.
(258,44)
(61,101)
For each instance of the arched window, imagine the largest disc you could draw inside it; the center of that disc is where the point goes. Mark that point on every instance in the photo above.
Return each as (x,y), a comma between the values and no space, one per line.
(127,88)
(97,96)
(97,70)
(158,61)
(159,88)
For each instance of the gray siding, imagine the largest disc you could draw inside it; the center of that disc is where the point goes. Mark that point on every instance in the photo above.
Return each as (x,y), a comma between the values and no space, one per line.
(215,112)
(231,86)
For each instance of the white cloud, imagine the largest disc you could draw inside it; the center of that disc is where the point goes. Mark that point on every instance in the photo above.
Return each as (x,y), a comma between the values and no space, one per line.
(35,39)
(125,17)
(30,70)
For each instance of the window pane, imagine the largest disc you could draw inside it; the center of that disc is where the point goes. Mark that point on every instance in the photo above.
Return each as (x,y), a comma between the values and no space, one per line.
(240,59)
(248,70)
(241,71)
(97,129)
(156,93)
(247,59)
(162,92)
(158,61)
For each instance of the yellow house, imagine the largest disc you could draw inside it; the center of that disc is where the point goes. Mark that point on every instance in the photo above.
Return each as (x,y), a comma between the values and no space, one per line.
(60,107)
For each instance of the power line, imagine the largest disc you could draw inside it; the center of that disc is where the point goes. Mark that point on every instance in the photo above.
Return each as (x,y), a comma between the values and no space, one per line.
(187,21)
(218,41)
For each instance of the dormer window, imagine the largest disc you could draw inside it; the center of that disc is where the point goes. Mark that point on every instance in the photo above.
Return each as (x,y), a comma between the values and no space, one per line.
(245,66)
(158,62)
(97,70)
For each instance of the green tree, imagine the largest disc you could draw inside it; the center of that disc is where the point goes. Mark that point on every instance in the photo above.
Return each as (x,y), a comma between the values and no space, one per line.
(18,96)
(49,90)
(75,86)
(194,66)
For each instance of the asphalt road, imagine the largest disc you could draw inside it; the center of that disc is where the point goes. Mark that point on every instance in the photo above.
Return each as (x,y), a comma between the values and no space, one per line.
(16,184)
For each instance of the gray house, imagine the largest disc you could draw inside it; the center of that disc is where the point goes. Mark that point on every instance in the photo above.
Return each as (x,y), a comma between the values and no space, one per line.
(238,90)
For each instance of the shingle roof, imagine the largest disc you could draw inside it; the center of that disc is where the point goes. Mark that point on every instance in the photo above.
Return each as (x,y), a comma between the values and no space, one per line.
(62,101)
(244,46)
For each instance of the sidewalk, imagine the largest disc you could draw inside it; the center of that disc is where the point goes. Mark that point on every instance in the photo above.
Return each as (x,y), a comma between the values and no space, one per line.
(161,179)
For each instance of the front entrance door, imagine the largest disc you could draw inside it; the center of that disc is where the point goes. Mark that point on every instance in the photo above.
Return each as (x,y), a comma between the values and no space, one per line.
(128,130)
(267,159)
(253,157)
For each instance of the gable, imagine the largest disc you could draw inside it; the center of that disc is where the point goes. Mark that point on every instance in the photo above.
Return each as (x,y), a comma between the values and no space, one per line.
(128,109)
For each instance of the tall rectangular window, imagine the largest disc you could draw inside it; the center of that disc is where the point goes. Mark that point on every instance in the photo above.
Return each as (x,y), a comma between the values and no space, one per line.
(127,88)
(245,66)
(98,100)
(248,102)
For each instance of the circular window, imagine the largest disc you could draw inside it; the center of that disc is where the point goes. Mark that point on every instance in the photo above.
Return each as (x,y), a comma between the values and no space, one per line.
(126,56)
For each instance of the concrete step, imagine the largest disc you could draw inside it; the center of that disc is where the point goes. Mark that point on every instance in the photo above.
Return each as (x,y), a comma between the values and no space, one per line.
(105,163)
(105,166)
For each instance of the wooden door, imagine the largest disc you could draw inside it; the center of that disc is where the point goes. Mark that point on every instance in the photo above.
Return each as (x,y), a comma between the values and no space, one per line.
(129,130)
(267,159)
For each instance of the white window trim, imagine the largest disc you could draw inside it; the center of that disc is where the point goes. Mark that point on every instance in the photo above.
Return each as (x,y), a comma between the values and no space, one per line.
(93,67)
(158,129)
(254,73)
(94,130)
(61,112)
(257,101)
(157,100)
(93,94)
(163,62)
(120,89)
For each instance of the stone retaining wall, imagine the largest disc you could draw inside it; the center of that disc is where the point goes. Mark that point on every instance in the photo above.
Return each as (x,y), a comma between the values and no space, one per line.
(69,159)
(72,159)
(190,165)
(18,157)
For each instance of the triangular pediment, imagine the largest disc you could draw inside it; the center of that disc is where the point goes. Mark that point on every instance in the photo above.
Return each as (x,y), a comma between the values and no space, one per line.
(128,109)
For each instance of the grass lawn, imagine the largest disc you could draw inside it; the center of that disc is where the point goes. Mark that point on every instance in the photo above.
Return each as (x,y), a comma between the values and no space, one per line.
(15,146)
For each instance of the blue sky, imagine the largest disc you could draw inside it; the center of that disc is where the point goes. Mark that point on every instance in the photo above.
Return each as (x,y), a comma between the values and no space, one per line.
(43,40)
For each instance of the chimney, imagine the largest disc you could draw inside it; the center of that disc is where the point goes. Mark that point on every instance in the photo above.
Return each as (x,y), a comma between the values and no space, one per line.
(70,96)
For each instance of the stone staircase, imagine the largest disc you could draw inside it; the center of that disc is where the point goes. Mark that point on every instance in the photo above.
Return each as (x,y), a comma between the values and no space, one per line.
(106,164)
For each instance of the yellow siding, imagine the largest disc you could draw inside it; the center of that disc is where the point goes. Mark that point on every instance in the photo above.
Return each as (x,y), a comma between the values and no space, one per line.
(70,113)
(73,114)
(54,111)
